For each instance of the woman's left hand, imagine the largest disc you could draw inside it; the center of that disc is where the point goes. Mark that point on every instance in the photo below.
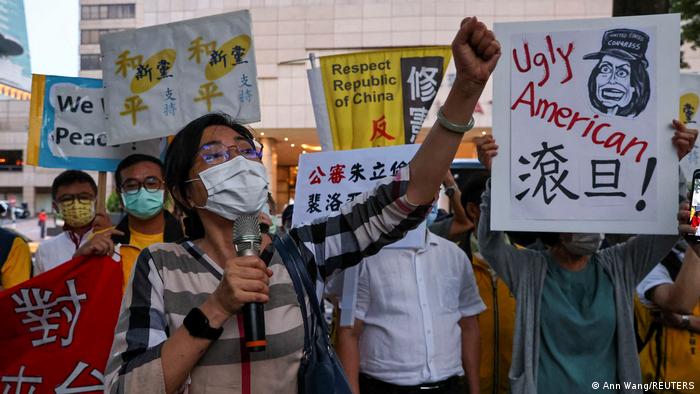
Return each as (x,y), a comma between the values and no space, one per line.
(476,52)
(683,139)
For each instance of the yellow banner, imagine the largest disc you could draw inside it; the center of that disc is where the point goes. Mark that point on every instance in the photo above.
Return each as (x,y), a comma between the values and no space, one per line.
(381,98)
(36,113)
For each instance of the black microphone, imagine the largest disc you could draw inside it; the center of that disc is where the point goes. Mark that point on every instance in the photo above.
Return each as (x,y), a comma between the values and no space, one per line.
(246,239)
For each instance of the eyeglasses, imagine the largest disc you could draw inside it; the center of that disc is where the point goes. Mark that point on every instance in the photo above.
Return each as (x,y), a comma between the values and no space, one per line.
(132,186)
(217,153)
(69,199)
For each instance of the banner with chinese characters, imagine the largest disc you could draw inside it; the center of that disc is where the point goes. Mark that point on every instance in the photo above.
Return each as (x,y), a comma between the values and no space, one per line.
(58,328)
(688,114)
(158,79)
(327,180)
(381,98)
(585,126)
(67,127)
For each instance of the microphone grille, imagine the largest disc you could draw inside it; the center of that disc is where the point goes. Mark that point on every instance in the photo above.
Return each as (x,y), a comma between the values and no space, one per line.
(246,233)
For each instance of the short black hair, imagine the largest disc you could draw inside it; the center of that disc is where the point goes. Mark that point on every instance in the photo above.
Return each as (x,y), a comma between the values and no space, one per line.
(288,213)
(70,177)
(474,187)
(134,159)
(180,158)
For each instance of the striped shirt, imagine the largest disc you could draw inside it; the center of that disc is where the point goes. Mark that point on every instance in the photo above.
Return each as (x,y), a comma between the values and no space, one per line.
(171,279)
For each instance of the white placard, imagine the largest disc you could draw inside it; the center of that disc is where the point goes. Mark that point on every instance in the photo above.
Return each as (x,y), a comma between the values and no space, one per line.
(585,137)
(70,124)
(159,78)
(326,180)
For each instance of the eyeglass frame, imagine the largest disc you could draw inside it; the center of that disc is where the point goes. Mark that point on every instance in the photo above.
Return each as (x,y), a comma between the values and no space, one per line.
(70,198)
(141,184)
(257,147)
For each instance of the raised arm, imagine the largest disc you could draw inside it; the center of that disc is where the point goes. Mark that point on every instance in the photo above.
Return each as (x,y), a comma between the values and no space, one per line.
(476,52)
(384,215)
(506,260)
(641,253)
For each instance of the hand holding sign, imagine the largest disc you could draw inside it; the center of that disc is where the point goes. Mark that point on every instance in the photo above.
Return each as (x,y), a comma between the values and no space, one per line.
(683,139)
(476,52)
(486,150)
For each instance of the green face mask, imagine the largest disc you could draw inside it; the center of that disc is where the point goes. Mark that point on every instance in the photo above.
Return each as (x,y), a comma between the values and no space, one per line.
(143,204)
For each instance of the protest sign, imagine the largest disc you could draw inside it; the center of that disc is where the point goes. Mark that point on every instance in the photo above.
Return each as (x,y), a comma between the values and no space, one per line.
(380,98)
(688,114)
(68,312)
(67,127)
(327,180)
(584,126)
(159,78)
(15,67)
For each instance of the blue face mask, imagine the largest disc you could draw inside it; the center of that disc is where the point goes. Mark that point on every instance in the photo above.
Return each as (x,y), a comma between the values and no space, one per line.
(432,216)
(143,204)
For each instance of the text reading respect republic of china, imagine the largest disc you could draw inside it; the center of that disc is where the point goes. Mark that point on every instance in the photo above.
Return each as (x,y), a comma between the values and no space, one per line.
(370,82)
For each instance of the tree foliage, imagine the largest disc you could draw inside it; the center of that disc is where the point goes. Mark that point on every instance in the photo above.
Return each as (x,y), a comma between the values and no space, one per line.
(690,23)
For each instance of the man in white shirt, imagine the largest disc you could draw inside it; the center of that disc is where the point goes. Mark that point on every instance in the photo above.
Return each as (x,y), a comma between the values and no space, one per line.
(416,327)
(74,194)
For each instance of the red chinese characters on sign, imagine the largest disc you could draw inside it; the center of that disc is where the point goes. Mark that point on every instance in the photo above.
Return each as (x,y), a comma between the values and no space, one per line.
(337,173)
(70,311)
(316,175)
(379,129)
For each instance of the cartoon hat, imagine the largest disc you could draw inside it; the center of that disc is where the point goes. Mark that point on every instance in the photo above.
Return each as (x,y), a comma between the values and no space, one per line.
(625,44)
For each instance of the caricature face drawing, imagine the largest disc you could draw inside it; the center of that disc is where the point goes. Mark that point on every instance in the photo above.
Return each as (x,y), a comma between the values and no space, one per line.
(619,83)
(613,86)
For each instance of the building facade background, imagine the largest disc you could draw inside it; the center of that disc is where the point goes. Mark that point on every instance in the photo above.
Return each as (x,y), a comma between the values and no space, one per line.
(285,33)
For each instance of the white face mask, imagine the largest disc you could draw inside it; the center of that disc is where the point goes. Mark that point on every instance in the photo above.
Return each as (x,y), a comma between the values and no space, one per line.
(238,187)
(584,244)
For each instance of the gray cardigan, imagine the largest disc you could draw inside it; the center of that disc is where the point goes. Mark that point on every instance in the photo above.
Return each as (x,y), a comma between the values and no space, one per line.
(524,271)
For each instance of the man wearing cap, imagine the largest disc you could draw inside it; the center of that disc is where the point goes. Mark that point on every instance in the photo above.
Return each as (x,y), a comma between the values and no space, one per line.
(619,83)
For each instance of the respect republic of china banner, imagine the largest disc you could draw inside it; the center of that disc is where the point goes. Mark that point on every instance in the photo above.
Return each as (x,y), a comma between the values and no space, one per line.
(58,327)
(380,98)
(159,78)
(67,127)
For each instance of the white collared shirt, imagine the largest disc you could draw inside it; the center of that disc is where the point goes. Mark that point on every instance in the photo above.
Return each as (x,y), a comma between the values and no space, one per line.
(411,302)
(55,251)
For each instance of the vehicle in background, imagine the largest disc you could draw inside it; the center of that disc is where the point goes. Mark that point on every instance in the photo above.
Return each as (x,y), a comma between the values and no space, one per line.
(21,212)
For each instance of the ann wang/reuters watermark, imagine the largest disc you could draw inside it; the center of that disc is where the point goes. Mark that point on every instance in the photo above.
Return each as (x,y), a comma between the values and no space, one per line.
(644,386)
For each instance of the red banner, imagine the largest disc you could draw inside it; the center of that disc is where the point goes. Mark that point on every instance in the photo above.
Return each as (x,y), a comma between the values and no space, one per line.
(57,328)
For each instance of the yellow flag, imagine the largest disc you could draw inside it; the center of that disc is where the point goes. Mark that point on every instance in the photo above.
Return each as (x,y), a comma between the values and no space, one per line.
(36,113)
(381,98)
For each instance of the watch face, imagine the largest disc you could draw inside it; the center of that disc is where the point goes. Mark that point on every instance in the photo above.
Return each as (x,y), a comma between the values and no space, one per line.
(450,192)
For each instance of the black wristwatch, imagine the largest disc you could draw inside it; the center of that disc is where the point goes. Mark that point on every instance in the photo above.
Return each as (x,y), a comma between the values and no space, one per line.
(197,324)
(450,191)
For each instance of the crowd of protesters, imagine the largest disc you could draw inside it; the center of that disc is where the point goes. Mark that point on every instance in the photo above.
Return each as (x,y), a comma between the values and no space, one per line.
(473,310)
